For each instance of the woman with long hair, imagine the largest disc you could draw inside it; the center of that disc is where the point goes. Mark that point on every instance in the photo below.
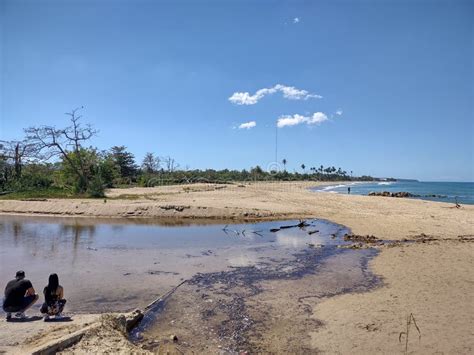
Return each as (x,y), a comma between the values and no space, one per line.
(53,297)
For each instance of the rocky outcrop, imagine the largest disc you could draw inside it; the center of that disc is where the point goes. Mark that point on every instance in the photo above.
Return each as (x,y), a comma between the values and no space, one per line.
(392,194)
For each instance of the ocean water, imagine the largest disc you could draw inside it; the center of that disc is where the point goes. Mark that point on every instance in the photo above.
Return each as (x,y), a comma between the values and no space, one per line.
(443,191)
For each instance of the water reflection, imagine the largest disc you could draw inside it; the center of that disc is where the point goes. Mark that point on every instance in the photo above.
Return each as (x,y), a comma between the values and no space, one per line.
(125,265)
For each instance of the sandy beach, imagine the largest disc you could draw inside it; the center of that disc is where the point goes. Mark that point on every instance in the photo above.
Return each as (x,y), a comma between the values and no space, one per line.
(429,274)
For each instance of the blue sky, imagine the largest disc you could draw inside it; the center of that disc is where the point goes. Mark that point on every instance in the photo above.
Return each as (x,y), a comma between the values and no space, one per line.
(157,76)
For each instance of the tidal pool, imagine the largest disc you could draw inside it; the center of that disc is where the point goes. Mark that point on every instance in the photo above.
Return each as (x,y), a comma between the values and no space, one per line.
(237,276)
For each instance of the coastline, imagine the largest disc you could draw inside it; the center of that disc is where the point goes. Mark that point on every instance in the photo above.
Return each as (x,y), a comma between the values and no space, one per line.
(388,218)
(430,279)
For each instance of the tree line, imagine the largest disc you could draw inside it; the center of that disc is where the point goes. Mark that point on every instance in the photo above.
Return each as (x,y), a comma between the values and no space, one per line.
(60,161)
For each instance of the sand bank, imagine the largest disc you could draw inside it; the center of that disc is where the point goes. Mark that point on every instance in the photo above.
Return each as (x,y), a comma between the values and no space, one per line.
(389,218)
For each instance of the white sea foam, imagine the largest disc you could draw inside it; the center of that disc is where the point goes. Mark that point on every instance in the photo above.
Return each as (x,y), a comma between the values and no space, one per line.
(332,187)
(385,183)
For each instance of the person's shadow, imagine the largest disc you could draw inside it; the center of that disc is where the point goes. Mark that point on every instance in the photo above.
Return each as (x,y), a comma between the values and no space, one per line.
(59,320)
(37,318)
(24,320)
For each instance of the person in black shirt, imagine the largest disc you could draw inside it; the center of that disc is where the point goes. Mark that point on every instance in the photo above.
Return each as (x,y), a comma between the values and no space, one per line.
(19,296)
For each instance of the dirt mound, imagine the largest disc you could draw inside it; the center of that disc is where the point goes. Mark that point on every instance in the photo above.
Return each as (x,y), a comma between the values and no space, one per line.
(109,338)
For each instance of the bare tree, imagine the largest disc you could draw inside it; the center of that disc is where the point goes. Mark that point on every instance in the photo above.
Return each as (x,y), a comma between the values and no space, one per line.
(171,164)
(151,164)
(50,142)
(17,151)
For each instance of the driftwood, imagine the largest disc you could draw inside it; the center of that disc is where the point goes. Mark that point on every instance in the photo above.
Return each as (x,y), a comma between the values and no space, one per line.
(241,232)
(147,317)
(302,224)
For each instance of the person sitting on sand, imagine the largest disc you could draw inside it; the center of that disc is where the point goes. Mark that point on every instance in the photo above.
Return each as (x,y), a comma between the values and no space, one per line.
(53,297)
(19,296)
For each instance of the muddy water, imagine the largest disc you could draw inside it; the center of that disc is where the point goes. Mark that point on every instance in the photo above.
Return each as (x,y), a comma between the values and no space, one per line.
(247,287)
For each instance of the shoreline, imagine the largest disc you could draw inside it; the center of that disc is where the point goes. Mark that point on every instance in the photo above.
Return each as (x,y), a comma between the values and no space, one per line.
(211,204)
(420,278)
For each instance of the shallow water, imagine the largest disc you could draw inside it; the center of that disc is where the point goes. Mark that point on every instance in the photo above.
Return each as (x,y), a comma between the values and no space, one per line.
(119,266)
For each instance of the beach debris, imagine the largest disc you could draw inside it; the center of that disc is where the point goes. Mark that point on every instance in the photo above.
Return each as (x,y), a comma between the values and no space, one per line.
(352,246)
(466,238)
(241,232)
(127,321)
(34,199)
(93,249)
(132,319)
(176,208)
(423,238)
(174,338)
(368,239)
(371,327)
(302,223)
(312,232)
(160,272)
(410,320)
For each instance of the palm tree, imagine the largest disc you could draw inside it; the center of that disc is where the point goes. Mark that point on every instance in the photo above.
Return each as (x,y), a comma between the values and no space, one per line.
(284,161)
(303,167)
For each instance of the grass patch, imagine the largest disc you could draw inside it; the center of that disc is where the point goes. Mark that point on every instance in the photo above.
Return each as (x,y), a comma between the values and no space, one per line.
(126,197)
(51,192)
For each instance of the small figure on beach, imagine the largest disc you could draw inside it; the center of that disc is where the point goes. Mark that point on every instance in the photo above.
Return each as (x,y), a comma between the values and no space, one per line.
(53,298)
(457,205)
(19,296)
(348,189)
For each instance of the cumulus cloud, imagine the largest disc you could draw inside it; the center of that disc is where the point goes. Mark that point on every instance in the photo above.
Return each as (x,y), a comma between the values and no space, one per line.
(296,119)
(289,92)
(247,125)
(288,120)
(296,20)
(339,112)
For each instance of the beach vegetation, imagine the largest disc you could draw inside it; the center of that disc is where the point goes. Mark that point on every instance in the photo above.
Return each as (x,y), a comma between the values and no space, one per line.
(51,162)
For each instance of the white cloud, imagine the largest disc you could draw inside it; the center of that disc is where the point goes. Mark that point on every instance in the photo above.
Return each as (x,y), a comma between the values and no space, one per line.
(317,118)
(247,125)
(296,20)
(296,119)
(339,112)
(289,92)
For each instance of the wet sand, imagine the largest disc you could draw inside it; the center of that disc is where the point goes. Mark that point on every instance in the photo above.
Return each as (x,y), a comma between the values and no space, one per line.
(433,279)
(259,311)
